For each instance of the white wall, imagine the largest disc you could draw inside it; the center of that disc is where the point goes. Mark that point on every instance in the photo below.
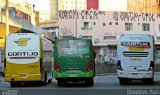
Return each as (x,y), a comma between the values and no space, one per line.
(67,24)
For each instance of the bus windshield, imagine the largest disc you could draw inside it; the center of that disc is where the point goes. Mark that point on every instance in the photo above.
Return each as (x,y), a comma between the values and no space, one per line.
(73,47)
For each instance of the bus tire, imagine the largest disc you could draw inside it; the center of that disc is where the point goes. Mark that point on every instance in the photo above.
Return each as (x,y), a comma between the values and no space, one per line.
(59,83)
(45,77)
(50,80)
(13,84)
(90,82)
(149,81)
(123,81)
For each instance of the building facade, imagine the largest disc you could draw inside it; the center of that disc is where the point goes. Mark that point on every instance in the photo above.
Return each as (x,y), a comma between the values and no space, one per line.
(51,26)
(54,9)
(109,5)
(22,16)
(104,27)
(143,6)
(102,5)
(23,6)
(92,4)
(44,15)
(56,5)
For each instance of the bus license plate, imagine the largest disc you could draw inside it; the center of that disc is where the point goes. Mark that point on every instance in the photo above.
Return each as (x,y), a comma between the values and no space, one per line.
(135,74)
(74,71)
(23,75)
(73,75)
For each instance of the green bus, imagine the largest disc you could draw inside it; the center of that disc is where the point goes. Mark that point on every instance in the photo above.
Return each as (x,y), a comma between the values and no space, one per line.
(74,60)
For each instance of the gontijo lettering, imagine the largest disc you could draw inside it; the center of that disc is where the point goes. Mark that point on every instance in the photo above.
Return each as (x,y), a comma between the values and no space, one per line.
(22,53)
(136,44)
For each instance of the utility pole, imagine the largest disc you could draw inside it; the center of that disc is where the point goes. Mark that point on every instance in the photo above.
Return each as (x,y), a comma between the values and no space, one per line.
(76,19)
(7,18)
(20,26)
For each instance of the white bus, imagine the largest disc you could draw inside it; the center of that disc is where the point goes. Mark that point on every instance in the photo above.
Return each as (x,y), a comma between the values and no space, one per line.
(135,58)
(28,58)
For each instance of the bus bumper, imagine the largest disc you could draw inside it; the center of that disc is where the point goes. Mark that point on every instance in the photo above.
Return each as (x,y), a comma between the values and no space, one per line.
(135,75)
(23,77)
(74,75)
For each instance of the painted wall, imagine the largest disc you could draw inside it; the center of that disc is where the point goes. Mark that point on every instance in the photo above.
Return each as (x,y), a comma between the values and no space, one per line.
(106,23)
(92,4)
(145,6)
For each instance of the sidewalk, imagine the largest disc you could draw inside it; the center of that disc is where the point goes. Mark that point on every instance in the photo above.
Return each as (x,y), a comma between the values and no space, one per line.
(2,79)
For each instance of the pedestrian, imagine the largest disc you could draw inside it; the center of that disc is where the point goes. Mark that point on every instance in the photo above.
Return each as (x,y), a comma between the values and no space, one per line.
(100,59)
(105,59)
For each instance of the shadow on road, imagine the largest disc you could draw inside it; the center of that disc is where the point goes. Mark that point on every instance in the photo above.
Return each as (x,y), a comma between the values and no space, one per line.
(140,82)
(75,84)
(31,84)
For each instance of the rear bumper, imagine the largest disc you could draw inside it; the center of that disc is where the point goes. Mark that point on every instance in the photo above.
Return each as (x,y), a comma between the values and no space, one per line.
(23,77)
(58,75)
(135,75)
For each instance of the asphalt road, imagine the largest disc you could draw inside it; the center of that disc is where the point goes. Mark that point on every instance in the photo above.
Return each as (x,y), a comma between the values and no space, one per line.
(104,85)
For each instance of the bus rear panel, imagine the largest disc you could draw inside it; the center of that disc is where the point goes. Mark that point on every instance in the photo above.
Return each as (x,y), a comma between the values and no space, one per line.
(24,58)
(135,57)
(73,60)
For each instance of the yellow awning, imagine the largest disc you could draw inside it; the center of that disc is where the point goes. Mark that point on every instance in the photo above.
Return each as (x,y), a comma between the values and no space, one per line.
(12,29)
(2,41)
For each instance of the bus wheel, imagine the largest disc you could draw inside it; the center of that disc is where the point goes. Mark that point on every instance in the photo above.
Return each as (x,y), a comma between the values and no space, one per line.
(60,82)
(13,84)
(45,78)
(50,80)
(149,81)
(90,82)
(123,81)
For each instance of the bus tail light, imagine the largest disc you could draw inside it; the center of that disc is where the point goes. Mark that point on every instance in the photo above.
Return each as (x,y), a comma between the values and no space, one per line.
(4,62)
(151,67)
(119,67)
(56,66)
(41,66)
(89,67)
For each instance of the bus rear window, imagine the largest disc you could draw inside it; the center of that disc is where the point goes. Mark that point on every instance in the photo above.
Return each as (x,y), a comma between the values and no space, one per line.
(70,47)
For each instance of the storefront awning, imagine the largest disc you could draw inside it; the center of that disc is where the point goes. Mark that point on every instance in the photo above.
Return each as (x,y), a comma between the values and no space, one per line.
(157,42)
(105,44)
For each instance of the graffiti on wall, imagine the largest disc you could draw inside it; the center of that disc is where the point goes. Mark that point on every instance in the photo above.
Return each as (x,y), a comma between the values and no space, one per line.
(117,16)
(96,15)
(130,16)
(83,14)
(66,31)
